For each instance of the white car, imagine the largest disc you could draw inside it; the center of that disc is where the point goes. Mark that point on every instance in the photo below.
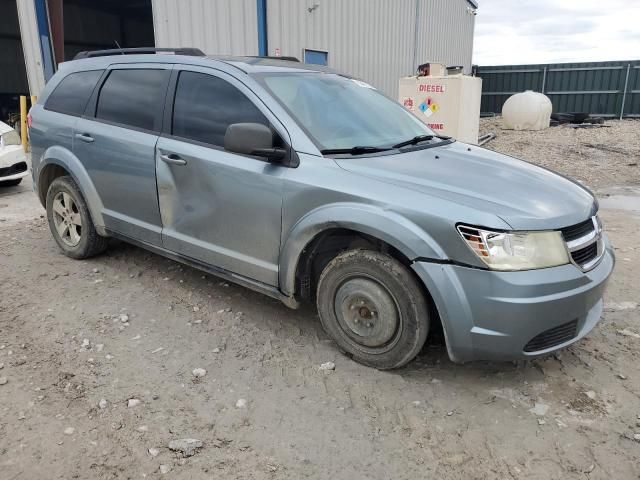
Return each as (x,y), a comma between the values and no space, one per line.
(13,160)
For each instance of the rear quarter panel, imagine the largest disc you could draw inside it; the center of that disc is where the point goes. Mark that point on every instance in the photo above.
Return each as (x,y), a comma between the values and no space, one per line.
(51,138)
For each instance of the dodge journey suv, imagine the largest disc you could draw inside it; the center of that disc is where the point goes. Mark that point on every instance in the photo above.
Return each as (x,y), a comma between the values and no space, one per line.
(308,185)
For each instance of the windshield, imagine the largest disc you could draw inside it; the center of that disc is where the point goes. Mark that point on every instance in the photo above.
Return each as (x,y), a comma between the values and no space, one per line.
(342,113)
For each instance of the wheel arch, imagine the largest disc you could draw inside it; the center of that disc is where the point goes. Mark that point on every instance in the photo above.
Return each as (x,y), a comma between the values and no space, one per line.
(402,238)
(57,162)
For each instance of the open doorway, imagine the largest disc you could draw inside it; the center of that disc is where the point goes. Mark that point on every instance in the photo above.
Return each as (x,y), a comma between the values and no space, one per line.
(92,25)
(13,77)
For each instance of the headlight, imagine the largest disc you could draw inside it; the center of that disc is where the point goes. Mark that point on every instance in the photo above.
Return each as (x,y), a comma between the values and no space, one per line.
(516,251)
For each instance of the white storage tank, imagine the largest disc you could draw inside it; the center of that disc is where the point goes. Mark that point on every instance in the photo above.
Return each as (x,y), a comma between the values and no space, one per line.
(528,110)
(448,104)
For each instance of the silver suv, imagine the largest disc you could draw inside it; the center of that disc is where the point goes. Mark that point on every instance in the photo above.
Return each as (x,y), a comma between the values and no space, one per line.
(308,185)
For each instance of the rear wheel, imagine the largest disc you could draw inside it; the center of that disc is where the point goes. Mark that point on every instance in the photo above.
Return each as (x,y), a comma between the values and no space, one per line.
(373,307)
(70,221)
(10,183)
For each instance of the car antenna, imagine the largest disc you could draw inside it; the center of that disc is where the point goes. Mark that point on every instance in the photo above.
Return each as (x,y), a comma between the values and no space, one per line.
(118,45)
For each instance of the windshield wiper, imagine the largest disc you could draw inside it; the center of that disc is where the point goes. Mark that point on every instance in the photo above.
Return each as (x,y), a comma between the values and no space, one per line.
(420,138)
(415,140)
(358,150)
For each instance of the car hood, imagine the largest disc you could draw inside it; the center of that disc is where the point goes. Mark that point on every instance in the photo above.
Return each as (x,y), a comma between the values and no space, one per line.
(525,196)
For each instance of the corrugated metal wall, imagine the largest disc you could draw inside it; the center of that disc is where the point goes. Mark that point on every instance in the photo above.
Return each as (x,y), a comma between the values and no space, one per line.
(446,33)
(226,27)
(374,39)
(594,87)
(371,39)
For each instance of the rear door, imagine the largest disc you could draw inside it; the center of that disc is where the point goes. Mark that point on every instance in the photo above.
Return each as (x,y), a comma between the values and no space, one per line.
(55,121)
(218,207)
(116,139)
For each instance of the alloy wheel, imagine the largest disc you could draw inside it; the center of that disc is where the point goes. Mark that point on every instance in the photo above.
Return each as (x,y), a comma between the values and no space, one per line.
(67,219)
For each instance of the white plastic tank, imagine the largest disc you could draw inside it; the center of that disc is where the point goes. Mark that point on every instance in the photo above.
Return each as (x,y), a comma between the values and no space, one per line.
(528,110)
(447,104)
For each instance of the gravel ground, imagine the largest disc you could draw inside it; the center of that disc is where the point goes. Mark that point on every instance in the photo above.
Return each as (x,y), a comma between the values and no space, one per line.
(598,157)
(107,364)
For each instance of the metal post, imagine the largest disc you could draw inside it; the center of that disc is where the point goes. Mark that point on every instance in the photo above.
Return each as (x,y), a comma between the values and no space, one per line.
(263,47)
(56,25)
(544,79)
(624,92)
(23,122)
(44,34)
(416,28)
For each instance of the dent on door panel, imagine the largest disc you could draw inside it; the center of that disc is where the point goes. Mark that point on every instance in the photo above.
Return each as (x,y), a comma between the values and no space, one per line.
(221,209)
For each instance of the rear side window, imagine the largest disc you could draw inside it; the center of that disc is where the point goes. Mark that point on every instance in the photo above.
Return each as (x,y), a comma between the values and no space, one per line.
(205,106)
(73,92)
(132,97)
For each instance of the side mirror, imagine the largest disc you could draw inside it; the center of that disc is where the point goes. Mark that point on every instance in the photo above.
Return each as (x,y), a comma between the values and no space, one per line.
(252,139)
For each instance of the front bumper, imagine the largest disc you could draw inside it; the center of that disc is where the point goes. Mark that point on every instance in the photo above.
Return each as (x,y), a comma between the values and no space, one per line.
(14,176)
(13,163)
(490,315)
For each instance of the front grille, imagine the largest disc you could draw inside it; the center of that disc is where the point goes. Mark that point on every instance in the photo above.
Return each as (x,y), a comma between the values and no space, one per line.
(584,243)
(586,254)
(577,231)
(13,169)
(552,337)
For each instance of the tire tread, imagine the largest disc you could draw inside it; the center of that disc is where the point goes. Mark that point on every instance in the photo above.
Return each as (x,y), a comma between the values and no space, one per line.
(413,292)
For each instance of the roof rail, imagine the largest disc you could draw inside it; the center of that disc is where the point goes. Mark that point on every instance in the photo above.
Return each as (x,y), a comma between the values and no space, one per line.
(195,52)
(286,59)
(271,57)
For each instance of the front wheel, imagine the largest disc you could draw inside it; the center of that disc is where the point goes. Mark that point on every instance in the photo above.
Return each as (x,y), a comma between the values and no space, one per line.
(70,221)
(373,307)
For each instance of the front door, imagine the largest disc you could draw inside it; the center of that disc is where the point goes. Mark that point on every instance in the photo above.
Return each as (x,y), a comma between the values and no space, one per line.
(218,207)
(116,141)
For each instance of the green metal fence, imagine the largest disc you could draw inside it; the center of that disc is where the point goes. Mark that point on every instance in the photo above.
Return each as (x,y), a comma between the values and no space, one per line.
(607,89)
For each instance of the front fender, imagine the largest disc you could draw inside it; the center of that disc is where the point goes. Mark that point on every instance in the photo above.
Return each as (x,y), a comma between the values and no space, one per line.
(383,224)
(64,158)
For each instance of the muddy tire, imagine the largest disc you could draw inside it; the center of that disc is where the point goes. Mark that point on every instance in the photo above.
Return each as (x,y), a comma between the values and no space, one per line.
(373,308)
(70,221)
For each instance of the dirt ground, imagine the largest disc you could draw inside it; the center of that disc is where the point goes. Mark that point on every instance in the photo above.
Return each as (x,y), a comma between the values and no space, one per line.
(97,361)
(598,157)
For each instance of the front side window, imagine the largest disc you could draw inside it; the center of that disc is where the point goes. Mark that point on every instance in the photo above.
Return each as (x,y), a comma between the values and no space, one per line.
(205,106)
(73,92)
(131,97)
(341,113)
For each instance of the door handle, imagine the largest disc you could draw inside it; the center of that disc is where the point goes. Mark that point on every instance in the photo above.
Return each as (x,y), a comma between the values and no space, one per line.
(85,137)
(173,159)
